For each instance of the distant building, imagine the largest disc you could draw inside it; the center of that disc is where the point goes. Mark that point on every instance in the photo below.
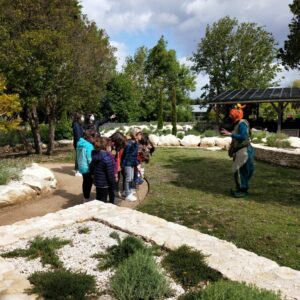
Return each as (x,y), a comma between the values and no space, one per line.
(198,111)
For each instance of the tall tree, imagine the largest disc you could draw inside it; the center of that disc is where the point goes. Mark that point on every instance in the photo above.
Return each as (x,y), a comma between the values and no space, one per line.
(55,57)
(236,56)
(290,54)
(157,69)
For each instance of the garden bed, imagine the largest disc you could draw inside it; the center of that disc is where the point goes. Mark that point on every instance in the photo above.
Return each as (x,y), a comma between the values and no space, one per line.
(225,258)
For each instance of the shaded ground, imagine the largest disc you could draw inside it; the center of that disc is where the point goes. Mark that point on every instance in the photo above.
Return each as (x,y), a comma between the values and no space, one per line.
(68,193)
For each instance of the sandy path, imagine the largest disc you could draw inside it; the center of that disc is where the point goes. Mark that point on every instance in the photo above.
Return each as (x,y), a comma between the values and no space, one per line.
(68,193)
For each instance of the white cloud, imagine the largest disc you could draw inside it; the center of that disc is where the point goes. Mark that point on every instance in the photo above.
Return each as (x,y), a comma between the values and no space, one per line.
(121,53)
(286,77)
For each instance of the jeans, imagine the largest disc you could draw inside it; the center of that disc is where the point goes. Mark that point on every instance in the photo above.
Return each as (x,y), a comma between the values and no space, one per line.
(128,182)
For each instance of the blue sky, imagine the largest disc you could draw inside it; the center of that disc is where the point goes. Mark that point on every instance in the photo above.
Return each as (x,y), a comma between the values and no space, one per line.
(133,23)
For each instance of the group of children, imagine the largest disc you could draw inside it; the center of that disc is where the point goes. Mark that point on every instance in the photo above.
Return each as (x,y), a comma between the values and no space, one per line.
(104,161)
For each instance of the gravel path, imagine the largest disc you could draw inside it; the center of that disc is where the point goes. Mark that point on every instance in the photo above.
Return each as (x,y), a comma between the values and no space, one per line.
(68,193)
(76,256)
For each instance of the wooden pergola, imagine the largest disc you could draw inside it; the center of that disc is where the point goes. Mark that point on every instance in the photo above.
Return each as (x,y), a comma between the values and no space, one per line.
(278,97)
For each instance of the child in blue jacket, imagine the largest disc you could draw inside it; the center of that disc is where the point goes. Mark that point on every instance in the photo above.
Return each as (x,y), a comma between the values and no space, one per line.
(84,157)
(103,170)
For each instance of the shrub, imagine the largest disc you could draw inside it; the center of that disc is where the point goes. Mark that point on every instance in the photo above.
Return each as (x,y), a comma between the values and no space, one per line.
(63,128)
(210,133)
(258,135)
(279,140)
(44,131)
(192,132)
(230,291)
(84,230)
(116,254)
(62,284)
(10,170)
(43,248)
(180,135)
(187,266)
(138,277)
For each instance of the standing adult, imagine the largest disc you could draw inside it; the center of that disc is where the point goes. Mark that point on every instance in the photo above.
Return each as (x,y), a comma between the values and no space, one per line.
(241,151)
(78,132)
(93,124)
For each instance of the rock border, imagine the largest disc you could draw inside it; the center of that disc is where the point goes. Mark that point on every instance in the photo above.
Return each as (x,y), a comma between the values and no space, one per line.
(235,263)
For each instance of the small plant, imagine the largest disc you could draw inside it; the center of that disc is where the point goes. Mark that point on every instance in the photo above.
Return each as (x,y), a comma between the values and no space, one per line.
(210,133)
(138,277)
(279,140)
(10,170)
(258,135)
(187,266)
(62,284)
(180,135)
(116,254)
(43,248)
(84,230)
(230,291)
(192,132)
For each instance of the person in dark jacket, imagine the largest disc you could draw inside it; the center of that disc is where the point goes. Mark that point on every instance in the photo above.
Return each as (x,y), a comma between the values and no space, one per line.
(93,124)
(103,170)
(77,134)
(129,162)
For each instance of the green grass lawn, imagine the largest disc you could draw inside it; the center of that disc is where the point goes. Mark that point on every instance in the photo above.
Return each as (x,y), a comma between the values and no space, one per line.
(191,187)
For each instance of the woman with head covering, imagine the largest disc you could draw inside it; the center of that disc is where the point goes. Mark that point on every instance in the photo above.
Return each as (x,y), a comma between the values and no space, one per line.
(241,151)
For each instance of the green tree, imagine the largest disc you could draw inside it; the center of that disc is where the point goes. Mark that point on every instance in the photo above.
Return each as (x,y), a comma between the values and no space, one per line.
(236,56)
(56,58)
(290,54)
(10,108)
(156,69)
(121,98)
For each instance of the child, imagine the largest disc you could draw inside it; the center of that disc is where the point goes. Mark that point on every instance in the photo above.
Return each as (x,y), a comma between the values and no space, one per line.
(119,141)
(84,157)
(129,162)
(102,168)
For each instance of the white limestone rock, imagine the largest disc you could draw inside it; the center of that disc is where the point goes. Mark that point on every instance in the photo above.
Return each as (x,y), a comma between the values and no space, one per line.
(187,127)
(295,141)
(15,192)
(154,139)
(38,178)
(65,143)
(168,140)
(208,142)
(223,143)
(190,141)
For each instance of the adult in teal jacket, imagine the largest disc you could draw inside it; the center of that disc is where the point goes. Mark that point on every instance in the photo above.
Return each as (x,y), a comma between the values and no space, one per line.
(84,157)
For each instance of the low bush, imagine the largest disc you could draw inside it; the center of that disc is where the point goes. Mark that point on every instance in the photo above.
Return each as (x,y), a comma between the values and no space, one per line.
(62,284)
(229,290)
(138,277)
(180,135)
(84,230)
(278,140)
(10,170)
(257,136)
(188,267)
(116,254)
(44,248)
(44,131)
(210,133)
(192,132)
(63,128)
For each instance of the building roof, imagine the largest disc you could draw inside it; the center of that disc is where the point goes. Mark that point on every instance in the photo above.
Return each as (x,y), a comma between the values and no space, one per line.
(257,95)
(197,108)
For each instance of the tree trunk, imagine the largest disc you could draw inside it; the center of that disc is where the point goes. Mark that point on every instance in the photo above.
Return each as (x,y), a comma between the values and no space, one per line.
(160,122)
(25,142)
(51,135)
(33,120)
(174,111)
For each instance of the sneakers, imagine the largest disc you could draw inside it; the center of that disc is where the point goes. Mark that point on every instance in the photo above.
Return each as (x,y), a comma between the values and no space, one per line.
(131,197)
(139,181)
(239,193)
(78,174)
